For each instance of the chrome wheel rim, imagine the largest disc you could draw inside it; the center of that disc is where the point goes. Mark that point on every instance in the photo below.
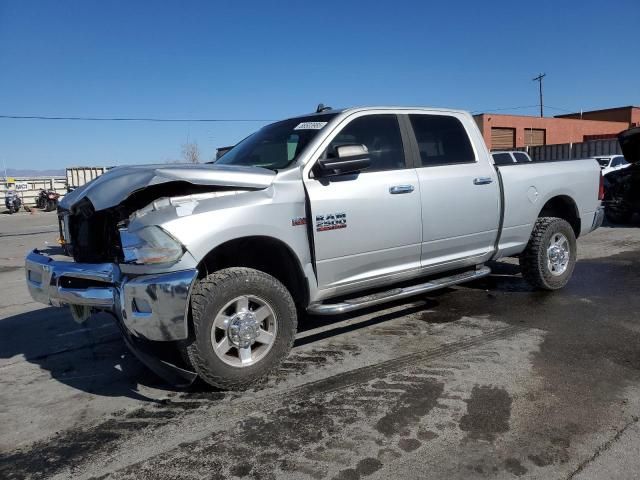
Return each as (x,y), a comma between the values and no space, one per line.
(558,254)
(243,331)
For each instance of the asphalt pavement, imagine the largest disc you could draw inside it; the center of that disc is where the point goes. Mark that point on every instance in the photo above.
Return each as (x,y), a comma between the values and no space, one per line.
(486,380)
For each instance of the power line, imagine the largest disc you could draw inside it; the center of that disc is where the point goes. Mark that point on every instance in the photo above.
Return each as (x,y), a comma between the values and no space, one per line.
(505,108)
(559,109)
(133,119)
(491,110)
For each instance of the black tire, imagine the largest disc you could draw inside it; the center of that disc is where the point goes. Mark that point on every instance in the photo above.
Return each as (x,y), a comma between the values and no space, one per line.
(618,215)
(533,261)
(209,296)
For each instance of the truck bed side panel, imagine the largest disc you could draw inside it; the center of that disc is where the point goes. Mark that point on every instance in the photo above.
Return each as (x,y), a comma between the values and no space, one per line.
(528,187)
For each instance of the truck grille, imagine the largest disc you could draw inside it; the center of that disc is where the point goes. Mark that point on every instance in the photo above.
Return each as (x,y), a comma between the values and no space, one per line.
(89,236)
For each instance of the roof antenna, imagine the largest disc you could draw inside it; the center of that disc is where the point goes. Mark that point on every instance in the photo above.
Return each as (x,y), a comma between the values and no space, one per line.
(321,108)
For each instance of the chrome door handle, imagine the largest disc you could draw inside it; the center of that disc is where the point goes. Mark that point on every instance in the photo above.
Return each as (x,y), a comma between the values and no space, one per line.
(482,180)
(400,189)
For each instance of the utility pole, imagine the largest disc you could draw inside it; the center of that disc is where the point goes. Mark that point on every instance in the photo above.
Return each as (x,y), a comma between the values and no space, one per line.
(539,80)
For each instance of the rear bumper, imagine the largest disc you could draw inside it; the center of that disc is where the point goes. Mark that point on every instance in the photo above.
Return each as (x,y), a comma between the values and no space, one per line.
(153,307)
(598,218)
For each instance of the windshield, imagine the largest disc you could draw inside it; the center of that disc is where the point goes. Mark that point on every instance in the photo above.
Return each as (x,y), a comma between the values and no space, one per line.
(604,162)
(278,145)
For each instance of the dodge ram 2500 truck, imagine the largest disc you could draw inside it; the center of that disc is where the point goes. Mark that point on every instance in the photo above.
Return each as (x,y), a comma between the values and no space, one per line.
(326,213)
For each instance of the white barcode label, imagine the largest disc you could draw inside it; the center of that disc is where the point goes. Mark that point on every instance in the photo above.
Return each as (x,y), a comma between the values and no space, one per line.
(310,125)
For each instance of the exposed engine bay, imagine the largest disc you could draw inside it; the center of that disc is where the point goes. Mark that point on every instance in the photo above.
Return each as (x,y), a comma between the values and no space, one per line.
(90,217)
(92,236)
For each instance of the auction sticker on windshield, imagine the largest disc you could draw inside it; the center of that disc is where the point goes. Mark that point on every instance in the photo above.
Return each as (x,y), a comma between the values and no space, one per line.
(310,125)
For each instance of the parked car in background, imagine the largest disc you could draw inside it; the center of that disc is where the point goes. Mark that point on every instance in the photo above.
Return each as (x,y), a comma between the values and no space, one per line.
(508,157)
(622,186)
(330,212)
(611,163)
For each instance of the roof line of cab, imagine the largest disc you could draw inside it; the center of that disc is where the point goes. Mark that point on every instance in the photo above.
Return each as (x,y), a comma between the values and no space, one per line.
(382,107)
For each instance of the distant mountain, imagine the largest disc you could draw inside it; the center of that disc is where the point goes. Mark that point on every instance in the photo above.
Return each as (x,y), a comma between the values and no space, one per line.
(18,172)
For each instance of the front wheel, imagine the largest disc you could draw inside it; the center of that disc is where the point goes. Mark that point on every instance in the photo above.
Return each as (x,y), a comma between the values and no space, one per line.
(244,325)
(550,257)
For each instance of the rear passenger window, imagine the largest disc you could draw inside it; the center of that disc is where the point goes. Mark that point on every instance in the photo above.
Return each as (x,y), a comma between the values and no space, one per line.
(442,140)
(502,159)
(380,134)
(521,157)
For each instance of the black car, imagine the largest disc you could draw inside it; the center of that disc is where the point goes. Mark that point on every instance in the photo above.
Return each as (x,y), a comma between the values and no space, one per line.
(622,187)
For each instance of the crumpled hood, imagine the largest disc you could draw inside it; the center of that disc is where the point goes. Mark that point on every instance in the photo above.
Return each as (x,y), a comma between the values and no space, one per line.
(119,183)
(630,143)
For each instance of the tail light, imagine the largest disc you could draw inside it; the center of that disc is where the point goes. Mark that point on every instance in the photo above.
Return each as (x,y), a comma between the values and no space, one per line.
(601,188)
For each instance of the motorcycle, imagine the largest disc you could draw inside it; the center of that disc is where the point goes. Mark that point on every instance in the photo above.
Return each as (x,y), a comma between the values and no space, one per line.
(12,201)
(47,200)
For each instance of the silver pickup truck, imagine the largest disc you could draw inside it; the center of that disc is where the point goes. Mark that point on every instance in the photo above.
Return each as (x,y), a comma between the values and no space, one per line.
(207,268)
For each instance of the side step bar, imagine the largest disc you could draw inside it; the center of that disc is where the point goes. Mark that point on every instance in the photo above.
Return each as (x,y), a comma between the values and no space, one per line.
(395,294)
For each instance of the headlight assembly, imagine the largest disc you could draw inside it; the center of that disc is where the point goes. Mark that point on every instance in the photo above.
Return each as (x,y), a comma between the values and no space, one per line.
(150,245)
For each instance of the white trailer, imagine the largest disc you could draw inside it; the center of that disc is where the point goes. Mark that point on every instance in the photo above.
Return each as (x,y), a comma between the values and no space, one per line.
(78,176)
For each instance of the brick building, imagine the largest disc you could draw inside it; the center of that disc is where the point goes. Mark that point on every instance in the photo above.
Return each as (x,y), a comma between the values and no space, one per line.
(629,114)
(504,132)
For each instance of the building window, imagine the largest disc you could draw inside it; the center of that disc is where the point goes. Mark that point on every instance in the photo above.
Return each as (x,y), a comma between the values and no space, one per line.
(503,138)
(534,137)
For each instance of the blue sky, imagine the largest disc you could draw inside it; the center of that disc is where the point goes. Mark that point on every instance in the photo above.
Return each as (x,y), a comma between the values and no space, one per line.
(269,60)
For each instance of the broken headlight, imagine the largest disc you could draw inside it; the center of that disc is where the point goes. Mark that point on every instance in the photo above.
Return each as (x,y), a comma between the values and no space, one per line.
(149,245)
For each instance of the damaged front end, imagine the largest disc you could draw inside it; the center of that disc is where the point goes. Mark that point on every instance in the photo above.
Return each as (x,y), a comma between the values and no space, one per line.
(142,276)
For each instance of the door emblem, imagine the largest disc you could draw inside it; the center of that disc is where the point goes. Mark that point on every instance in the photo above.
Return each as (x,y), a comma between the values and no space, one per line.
(331,221)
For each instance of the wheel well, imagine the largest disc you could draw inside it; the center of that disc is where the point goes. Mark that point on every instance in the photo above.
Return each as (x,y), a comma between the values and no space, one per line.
(266,254)
(563,207)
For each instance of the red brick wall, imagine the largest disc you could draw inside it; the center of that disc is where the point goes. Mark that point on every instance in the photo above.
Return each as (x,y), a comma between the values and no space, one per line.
(631,115)
(558,130)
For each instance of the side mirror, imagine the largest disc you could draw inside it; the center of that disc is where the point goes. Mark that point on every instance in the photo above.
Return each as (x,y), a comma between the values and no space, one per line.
(347,159)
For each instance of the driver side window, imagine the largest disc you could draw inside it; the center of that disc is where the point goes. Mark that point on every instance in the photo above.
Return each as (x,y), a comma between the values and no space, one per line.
(380,134)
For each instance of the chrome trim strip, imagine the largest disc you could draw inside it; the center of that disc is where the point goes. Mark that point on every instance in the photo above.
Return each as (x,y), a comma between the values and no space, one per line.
(93,297)
(396,293)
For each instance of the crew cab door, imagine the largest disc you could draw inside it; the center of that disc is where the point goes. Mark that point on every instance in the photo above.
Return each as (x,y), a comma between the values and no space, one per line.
(459,192)
(366,226)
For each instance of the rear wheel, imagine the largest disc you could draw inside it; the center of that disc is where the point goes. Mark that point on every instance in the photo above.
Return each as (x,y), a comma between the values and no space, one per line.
(244,324)
(550,257)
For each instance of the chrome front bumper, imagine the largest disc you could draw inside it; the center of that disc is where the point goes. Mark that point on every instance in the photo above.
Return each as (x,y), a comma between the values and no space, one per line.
(154,307)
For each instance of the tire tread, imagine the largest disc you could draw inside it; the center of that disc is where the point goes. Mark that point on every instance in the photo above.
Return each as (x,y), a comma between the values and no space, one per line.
(531,259)
(200,297)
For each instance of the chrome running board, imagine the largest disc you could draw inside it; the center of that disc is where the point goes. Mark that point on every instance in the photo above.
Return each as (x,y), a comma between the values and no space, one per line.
(395,294)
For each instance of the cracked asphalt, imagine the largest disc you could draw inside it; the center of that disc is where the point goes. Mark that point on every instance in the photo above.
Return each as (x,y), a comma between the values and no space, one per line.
(486,380)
